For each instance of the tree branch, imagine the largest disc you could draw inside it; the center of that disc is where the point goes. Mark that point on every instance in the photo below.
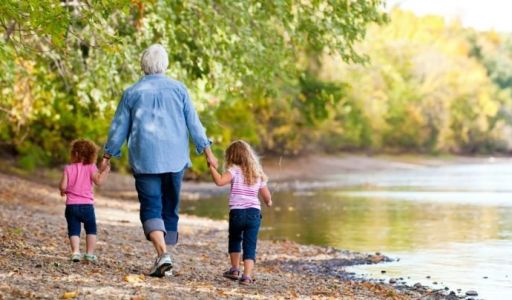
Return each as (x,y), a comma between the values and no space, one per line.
(9,30)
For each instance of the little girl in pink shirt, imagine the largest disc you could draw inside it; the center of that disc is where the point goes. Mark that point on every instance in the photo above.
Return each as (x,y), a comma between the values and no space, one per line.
(77,185)
(247,180)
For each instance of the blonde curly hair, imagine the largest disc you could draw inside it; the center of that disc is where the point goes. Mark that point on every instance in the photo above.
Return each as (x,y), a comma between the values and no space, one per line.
(240,153)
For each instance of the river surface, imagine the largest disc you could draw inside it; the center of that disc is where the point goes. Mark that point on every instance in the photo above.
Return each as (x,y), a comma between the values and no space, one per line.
(449,226)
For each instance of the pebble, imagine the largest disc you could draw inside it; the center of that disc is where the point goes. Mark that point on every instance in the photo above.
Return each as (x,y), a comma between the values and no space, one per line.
(435,282)
(428,276)
(383,272)
(471,293)
(39,266)
(485,277)
(392,281)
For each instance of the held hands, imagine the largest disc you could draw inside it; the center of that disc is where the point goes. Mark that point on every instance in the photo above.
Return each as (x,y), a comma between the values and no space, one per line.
(211,160)
(105,165)
(105,169)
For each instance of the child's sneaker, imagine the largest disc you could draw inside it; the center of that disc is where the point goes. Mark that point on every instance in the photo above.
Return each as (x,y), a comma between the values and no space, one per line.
(90,257)
(75,257)
(232,273)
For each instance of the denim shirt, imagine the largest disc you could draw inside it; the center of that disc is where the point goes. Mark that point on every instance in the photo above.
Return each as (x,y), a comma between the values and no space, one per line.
(156,116)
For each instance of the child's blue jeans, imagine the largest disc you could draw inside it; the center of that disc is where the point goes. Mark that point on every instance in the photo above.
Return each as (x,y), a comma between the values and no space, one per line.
(76,214)
(244,225)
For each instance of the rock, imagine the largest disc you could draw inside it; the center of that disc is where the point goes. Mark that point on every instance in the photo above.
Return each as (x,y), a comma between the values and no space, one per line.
(435,282)
(428,277)
(39,266)
(485,277)
(376,258)
(383,271)
(392,281)
(471,293)
(417,285)
(452,296)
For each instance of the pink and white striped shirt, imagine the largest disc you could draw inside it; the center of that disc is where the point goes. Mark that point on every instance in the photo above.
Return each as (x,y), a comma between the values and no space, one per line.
(243,196)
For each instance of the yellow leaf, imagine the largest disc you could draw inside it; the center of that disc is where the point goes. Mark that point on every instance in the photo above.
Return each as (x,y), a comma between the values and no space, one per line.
(132,278)
(69,295)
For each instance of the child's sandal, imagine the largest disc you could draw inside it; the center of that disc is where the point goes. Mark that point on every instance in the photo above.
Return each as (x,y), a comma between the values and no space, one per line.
(232,273)
(246,280)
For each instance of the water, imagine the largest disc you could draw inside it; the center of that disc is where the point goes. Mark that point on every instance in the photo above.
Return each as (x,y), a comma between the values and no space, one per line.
(452,223)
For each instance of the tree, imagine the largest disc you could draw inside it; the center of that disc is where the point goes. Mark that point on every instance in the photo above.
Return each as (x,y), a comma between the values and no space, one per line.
(67,62)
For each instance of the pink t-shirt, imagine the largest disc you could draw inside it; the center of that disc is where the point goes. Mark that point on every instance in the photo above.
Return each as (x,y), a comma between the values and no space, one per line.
(243,196)
(80,185)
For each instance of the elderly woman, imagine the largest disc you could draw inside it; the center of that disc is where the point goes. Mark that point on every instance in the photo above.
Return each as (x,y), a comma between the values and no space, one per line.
(156,116)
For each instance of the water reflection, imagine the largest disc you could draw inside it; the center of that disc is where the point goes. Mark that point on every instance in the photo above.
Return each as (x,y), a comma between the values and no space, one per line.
(369,224)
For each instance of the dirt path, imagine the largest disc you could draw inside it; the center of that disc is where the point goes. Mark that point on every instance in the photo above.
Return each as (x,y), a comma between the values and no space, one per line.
(34,257)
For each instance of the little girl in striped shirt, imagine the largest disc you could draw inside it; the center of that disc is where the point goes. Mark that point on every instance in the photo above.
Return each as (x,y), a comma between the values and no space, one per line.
(247,180)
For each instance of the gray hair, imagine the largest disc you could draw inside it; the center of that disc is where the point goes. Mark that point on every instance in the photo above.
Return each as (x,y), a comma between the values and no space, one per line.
(154,60)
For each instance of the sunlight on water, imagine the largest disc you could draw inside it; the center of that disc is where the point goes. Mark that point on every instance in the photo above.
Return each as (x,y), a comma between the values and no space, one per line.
(485,267)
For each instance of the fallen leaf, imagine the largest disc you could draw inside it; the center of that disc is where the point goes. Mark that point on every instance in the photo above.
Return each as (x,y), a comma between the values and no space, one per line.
(69,295)
(132,278)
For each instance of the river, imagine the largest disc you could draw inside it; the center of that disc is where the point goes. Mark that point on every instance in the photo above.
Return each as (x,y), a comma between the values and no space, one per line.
(446,226)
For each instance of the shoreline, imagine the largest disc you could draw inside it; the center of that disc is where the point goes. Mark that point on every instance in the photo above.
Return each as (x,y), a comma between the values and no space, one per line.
(283,268)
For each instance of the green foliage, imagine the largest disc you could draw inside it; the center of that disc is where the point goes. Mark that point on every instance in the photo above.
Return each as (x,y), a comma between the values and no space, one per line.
(66,63)
(279,74)
(425,91)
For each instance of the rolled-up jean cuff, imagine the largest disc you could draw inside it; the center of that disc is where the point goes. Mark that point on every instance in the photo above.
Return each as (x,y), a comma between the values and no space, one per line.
(153,225)
(244,257)
(171,238)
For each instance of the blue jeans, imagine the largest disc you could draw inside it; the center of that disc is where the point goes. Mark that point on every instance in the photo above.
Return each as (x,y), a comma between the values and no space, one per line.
(244,225)
(76,214)
(159,197)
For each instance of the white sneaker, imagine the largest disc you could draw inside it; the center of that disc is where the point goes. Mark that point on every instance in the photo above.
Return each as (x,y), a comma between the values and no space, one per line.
(75,257)
(163,263)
